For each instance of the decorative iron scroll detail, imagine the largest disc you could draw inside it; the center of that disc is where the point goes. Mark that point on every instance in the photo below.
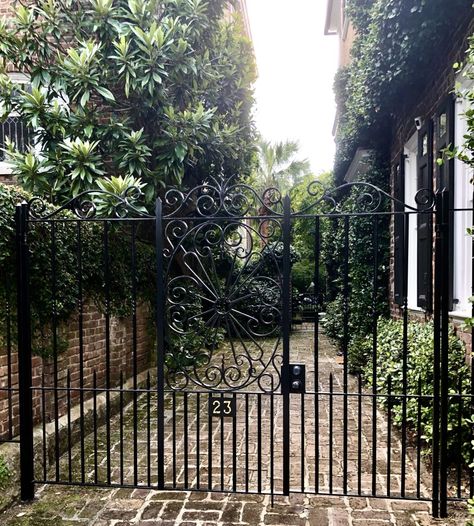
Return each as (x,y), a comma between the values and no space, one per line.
(85,205)
(370,199)
(222,198)
(228,198)
(236,199)
(246,305)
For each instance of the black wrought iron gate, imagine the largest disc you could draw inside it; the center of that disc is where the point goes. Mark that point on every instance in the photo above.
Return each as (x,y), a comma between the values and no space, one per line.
(235,386)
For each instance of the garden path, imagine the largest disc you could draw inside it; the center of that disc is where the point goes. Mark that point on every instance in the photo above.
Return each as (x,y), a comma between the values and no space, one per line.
(73,505)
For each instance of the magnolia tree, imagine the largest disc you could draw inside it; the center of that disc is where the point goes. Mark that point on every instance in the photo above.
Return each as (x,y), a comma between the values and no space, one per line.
(152,92)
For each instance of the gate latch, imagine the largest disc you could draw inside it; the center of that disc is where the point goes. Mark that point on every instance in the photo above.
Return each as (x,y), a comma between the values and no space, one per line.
(297,378)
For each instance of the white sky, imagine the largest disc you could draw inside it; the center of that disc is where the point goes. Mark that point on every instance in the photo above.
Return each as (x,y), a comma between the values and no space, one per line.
(296,67)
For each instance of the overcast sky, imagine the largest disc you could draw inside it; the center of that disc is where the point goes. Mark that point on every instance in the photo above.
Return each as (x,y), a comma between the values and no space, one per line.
(296,66)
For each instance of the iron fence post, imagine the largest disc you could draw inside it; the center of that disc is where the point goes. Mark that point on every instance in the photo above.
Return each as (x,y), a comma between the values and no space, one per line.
(24,356)
(436,358)
(160,342)
(286,320)
(444,356)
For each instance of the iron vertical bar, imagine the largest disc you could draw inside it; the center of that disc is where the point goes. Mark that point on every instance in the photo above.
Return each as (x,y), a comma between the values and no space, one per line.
(55,348)
(459,438)
(247,441)
(302,453)
(359,437)
(331,413)
(259,443)
(389,434)
(121,427)
(148,429)
(94,423)
(436,359)
(406,227)
(234,446)
(174,436)
(374,353)
(43,427)
(133,276)
(317,249)
(471,392)
(81,347)
(444,353)
(185,440)
(345,345)
(160,340)
(9,358)
(24,355)
(68,412)
(286,320)
(418,441)
(222,443)
(198,440)
(209,446)
(107,348)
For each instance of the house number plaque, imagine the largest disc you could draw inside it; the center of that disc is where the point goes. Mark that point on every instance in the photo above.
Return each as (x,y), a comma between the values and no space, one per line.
(222,407)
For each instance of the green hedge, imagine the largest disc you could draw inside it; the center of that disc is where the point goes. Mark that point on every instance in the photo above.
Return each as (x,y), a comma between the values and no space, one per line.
(419,370)
(64,303)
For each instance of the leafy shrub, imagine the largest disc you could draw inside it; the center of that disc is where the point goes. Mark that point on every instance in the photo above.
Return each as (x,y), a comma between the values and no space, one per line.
(5,473)
(62,254)
(419,370)
(302,275)
(362,246)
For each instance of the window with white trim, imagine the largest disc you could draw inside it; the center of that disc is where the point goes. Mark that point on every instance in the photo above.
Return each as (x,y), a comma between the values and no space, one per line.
(13,127)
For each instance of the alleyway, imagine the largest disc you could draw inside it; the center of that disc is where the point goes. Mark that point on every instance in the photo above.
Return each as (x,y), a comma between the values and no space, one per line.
(244,457)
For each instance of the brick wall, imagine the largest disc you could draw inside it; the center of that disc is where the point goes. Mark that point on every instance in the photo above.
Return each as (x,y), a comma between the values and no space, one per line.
(424,104)
(94,351)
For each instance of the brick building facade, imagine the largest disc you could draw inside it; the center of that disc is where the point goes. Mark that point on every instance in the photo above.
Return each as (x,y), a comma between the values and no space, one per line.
(426,122)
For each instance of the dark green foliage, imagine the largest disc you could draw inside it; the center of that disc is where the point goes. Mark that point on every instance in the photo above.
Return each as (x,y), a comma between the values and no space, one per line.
(156,90)
(362,303)
(302,275)
(5,473)
(398,41)
(419,372)
(56,248)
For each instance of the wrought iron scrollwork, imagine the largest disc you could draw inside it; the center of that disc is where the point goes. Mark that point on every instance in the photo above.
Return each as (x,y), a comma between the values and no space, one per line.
(369,199)
(85,205)
(222,197)
(242,302)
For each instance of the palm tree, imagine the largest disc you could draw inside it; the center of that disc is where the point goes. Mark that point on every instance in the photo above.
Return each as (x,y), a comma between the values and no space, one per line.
(277,166)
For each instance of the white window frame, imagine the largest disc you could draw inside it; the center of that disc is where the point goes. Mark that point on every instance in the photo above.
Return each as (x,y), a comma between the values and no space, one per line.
(22,79)
(411,188)
(463,198)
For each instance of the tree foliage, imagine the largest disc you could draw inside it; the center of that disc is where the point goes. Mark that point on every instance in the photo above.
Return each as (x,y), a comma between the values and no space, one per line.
(278,166)
(158,90)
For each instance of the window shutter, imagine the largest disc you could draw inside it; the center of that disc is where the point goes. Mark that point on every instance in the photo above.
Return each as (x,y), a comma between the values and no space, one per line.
(399,230)
(425,222)
(445,122)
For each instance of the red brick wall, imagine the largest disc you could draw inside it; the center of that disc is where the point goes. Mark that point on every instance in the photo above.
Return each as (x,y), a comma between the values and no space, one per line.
(424,104)
(94,349)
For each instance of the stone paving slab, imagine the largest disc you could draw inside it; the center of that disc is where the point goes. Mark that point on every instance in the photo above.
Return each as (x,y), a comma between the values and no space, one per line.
(74,505)
(102,507)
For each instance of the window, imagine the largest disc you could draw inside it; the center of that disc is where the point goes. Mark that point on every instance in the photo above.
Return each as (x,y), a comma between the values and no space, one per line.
(419,169)
(463,193)
(13,127)
(411,188)
(424,262)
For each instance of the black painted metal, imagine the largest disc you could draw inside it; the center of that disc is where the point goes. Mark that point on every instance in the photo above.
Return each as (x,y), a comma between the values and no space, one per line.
(24,356)
(195,235)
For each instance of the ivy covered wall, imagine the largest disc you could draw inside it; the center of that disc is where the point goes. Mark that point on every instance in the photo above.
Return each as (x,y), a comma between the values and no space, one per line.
(398,51)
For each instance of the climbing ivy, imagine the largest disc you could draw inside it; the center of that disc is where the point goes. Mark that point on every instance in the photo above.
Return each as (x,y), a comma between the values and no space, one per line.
(396,44)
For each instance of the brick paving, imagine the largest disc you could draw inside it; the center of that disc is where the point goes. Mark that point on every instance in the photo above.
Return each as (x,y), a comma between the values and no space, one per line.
(238,461)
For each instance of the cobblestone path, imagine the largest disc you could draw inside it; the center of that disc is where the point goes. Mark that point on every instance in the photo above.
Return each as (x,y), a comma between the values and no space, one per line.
(245,453)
